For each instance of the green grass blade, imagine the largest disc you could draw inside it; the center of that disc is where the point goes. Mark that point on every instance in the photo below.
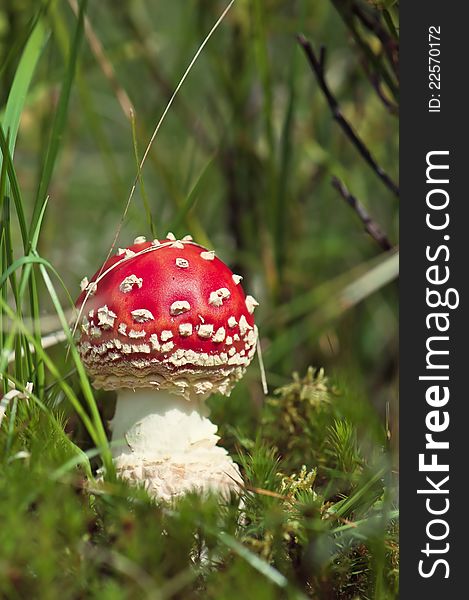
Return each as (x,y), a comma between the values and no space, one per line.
(99,431)
(22,81)
(15,191)
(256,562)
(192,197)
(286,149)
(94,426)
(81,459)
(146,203)
(27,277)
(60,117)
(24,260)
(3,257)
(69,393)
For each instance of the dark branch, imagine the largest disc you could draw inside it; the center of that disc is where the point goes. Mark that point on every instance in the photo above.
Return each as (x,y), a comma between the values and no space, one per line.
(391,46)
(371,227)
(375,82)
(317,67)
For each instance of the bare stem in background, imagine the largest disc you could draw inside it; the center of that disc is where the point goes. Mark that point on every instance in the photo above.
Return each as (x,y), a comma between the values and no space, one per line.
(317,66)
(376,83)
(371,227)
(381,56)
(390,45)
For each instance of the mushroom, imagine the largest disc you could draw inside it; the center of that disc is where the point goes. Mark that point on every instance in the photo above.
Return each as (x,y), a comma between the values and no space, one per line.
(166,326)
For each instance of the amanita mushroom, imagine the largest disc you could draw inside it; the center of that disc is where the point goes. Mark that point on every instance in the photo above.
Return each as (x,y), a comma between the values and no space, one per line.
(166,324)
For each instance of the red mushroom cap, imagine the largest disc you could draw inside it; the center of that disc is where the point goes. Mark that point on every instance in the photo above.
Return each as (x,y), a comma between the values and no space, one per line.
(167,314)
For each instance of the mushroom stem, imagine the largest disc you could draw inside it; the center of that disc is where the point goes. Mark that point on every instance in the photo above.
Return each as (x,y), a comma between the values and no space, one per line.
(170,445)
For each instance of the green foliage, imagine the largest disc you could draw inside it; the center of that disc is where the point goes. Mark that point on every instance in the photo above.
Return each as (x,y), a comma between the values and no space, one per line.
(291,536)
(243,162)
(296,418)
(342,442)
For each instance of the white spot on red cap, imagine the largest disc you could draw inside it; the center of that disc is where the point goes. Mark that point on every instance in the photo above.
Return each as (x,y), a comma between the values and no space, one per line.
(187,238)
(182,262)
(217,297)
(219,335)
(133,333)
(237,278)
(95,332)
(122,329)
(178,244)
(229,340)
(232,322)
(205,330)
(84,283)
(106,317)
(179,307)
(166,335)
(251,304)
(142,315)
(129,253)
(128,283)
(167,347)
(208,255)
(243,325)
(144,348)
(154,342)
(251,338)
(170,236)
(185,329)
(141,239)
(155,243)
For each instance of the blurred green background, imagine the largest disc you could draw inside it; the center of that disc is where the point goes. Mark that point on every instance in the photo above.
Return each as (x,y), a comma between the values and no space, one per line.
(243,162)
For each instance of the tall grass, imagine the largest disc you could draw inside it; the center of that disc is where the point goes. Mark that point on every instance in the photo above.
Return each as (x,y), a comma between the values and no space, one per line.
(243,162)
(30,361)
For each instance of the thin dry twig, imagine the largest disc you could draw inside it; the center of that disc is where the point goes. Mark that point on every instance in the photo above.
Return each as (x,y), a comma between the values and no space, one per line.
(371,227)
(317,66)
(265,387)
(375,82)
(390,45)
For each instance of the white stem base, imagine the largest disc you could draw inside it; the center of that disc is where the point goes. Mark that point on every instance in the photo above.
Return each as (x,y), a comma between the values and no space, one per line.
(167,443)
